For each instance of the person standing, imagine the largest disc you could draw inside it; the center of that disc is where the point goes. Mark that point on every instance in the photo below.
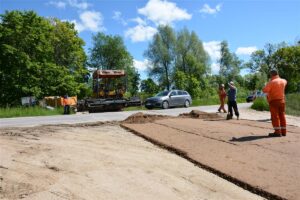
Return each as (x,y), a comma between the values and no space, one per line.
(276,98)
(66,104)
(222,97)
(232,101)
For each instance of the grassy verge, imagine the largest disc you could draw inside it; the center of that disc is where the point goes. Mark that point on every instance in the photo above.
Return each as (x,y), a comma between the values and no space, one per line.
(135,108)
(292,104)
(213,101)
(28,111)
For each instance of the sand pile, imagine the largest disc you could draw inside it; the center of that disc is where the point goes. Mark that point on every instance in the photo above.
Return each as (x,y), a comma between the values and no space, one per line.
(201,115)
(141,118)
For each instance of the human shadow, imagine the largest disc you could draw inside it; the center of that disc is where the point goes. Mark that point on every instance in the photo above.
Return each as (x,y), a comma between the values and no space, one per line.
(248,138)
(263,120)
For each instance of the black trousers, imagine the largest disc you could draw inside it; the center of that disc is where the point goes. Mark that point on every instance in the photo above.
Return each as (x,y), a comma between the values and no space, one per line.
(233,104)
(66,109)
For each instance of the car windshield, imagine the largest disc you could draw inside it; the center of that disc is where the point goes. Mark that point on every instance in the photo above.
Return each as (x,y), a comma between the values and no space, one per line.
(161,94)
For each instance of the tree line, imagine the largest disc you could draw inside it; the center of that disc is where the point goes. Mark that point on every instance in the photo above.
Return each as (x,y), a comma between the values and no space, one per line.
(45,57)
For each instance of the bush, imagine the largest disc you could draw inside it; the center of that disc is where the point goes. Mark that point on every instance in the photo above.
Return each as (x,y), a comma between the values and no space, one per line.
(260,104)
(293,104)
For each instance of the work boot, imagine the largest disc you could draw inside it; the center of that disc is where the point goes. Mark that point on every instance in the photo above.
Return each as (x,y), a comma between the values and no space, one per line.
(229,117)
(283,134)
(274,135)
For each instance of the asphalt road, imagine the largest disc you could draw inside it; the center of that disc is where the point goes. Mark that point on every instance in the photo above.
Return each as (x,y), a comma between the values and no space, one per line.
(96,117)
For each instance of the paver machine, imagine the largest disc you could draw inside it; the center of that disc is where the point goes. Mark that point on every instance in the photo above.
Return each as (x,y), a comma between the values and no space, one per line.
(109,87)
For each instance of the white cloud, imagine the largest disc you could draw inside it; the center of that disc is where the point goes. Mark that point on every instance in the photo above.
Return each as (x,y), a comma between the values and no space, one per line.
(245,50)
(215,68)
(140,21)
(213,49)
(140,33)
(141,65)
(89,21)
(206,9)
(58,4)
(118,17)
(83,5)
(78,4)
(163,12)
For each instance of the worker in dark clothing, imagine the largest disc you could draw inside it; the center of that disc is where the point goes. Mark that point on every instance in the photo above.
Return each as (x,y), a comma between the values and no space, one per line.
(66,104)
(232,101)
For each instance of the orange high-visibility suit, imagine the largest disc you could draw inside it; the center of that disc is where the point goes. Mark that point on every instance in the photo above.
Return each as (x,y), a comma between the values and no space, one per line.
(222,97)
(276,98)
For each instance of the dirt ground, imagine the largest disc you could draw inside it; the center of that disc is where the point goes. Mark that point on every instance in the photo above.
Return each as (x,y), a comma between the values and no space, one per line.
(100,161)
(238,150)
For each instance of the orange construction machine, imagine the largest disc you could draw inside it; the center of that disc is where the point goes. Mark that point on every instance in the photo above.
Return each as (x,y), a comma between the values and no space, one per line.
(109,87)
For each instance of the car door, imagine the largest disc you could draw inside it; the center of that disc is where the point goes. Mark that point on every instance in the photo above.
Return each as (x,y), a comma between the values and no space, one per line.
(173,99)
(181,98)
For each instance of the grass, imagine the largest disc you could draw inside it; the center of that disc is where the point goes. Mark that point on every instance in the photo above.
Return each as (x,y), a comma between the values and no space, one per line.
(213,101)
(28,111)
(132,108)
(292,104)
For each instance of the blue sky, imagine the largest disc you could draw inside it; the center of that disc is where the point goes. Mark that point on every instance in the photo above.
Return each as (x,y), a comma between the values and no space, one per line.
(247,25)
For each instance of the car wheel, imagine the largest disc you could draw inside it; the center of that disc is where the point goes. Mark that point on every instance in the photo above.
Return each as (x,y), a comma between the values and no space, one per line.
(165,105)
(187,103)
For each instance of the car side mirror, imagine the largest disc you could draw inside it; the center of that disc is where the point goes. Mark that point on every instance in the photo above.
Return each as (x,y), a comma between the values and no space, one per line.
(170,95)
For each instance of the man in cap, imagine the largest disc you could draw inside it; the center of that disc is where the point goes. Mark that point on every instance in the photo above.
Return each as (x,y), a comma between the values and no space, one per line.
(232,101)
(276,98)
(222,97)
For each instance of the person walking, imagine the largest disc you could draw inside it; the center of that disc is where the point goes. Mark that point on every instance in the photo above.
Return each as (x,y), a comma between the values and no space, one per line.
(222,97)
(232,101)
(275,95)
(66,104)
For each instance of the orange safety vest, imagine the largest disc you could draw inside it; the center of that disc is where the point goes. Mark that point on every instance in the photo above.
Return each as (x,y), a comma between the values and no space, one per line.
(222,93)
(275,89)
(66,102)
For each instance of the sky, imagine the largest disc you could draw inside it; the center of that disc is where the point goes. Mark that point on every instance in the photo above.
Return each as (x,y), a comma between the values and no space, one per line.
(247,25)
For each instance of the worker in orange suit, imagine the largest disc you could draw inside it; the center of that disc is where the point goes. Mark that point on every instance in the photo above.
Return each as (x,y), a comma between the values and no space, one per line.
(276,98)
(66,104)
(222,97)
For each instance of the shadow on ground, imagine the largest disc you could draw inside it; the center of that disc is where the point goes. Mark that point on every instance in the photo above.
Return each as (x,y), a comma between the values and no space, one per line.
(248,138)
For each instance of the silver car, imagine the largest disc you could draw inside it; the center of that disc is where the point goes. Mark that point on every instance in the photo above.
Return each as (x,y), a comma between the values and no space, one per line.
(166,99)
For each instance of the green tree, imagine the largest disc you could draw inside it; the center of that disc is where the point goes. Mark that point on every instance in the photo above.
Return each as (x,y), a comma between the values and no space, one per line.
(229,63)
(288,65)
(161,54)
(149,86)
(191,57)
(109,52)
(27,43)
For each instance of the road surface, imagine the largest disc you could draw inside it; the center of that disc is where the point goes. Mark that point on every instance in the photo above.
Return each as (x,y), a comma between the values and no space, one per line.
(96,117)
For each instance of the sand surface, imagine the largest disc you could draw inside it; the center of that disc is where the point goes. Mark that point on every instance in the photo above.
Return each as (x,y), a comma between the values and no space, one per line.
(101,161)
(237,148)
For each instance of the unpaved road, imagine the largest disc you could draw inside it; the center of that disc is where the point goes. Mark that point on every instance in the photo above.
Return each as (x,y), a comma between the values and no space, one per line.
(239,150)
(100,161)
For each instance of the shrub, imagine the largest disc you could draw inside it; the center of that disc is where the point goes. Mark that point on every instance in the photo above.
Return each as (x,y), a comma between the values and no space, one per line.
(293,104)
(260,104)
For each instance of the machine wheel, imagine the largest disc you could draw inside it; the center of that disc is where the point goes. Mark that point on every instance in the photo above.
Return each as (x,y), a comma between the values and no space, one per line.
(187,103)
(165,105)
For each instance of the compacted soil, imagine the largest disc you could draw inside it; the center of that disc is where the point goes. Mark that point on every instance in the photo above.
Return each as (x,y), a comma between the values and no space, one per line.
(238,150)
(105,161)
